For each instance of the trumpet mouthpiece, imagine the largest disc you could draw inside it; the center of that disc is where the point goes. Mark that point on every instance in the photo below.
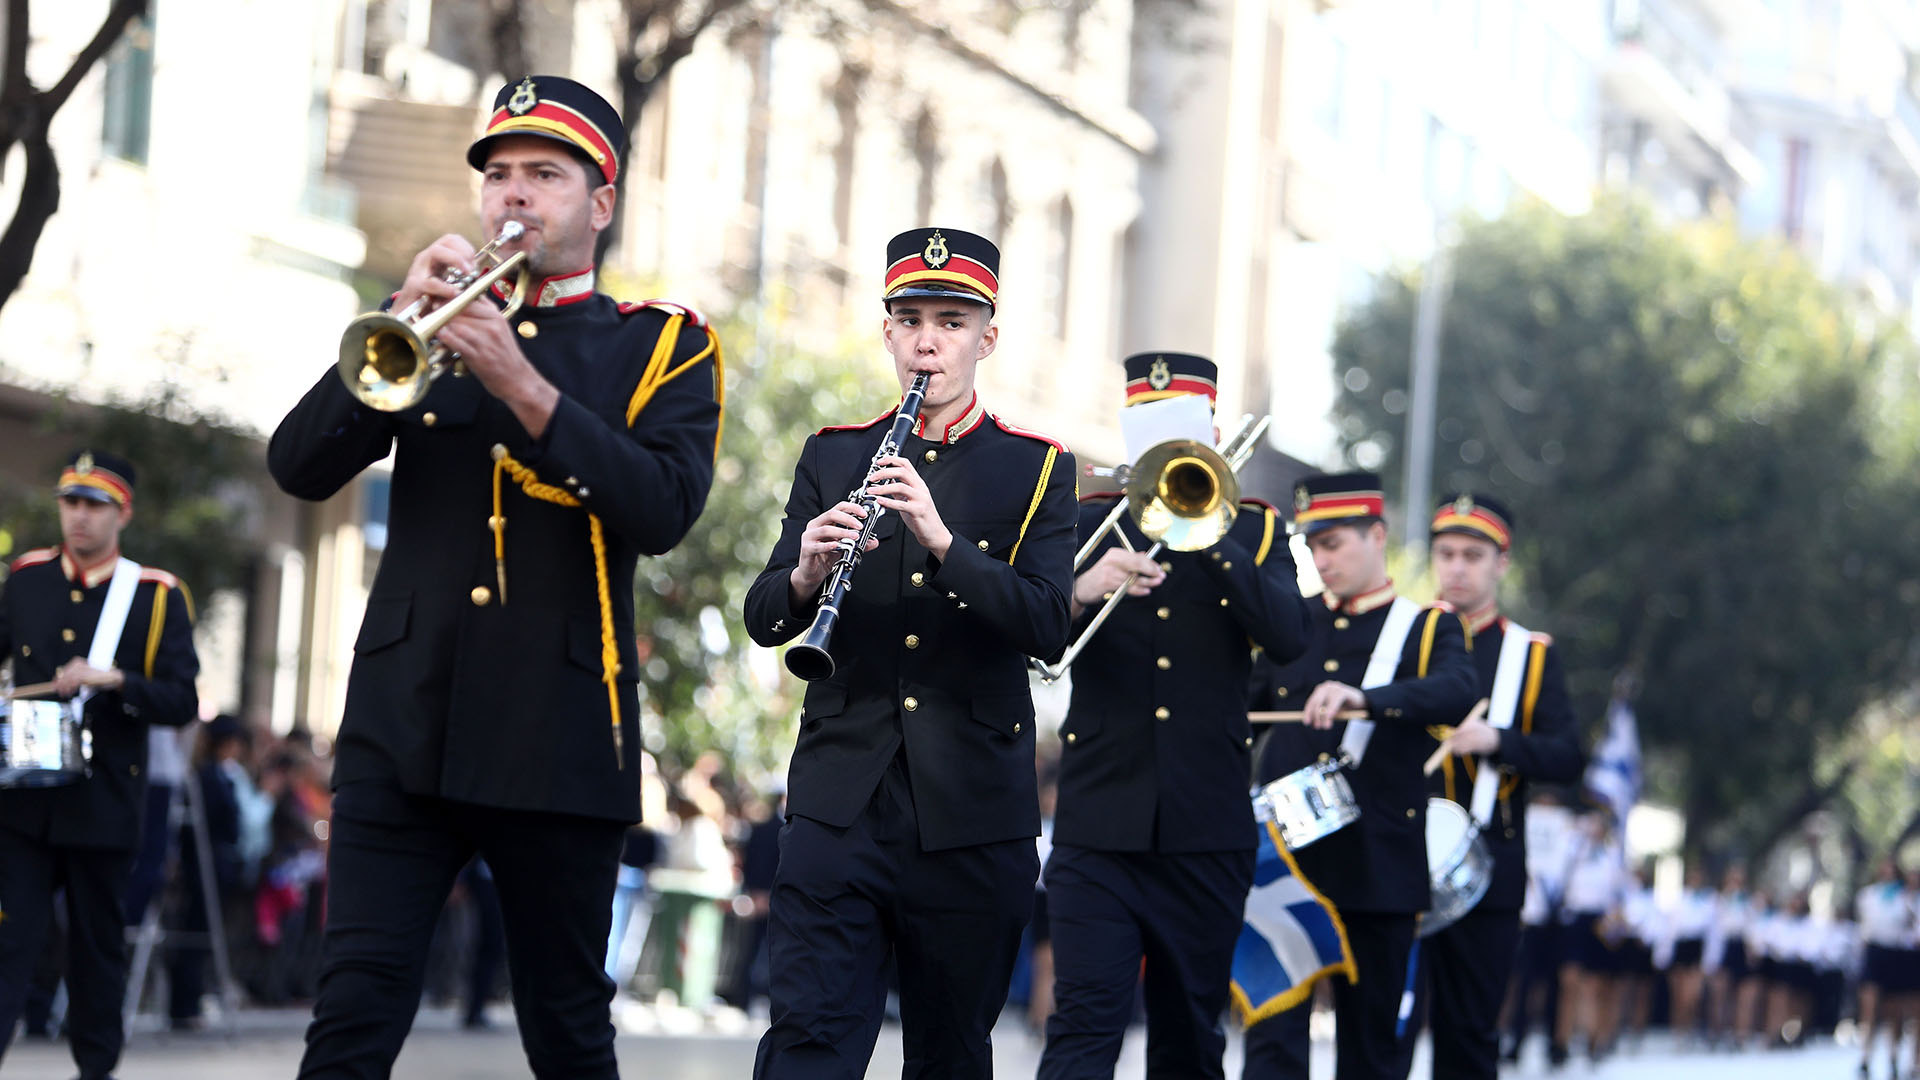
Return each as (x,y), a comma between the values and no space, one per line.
(511,231)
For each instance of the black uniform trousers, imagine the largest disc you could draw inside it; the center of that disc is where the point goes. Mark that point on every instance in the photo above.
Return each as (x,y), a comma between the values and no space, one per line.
(1110,910)
(95,882)
(1466,970)
(844,898)
(393,858)
(1367,1042)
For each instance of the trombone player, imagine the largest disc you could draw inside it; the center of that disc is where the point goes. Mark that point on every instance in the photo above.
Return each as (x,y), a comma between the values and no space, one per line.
(1153,832)
(580,437)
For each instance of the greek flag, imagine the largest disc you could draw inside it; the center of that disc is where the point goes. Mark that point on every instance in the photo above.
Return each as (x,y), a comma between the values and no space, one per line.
(1613,776)
(1291,938)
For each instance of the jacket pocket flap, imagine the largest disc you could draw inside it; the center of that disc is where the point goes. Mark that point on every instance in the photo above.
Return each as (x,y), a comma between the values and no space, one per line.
(385,622)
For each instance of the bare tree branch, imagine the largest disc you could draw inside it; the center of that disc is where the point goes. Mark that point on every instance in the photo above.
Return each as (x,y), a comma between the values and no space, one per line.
(118,16)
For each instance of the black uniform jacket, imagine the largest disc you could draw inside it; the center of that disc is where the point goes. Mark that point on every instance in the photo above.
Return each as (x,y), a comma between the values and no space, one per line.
(453,692)
(1378,863)
(1542,744)
(1156,743)
(47,619)
(932,653)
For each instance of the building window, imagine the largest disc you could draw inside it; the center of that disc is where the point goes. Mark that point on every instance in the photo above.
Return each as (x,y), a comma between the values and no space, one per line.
(926,154)
(1060,267)
(129,93)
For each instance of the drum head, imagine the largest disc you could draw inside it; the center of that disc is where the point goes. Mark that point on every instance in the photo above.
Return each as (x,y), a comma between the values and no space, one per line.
(1449,830)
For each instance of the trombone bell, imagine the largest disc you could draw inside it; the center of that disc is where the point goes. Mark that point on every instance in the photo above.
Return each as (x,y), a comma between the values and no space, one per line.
(1189,498)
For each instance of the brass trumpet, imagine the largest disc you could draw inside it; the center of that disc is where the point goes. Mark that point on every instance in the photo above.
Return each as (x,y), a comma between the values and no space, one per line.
(389,361)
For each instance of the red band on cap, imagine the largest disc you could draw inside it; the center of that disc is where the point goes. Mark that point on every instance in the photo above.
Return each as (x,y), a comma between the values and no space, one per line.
(957,270)
(1479,521)
(1142,390)
(1347,504)
(99,479)
(553,118)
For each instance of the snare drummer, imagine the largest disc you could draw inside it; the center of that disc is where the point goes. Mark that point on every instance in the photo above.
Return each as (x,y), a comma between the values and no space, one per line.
(1154,835)
(1375,870)
(1469,963)
(136,668)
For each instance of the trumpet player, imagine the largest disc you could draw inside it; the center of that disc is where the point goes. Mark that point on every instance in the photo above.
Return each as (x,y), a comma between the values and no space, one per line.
(1153,833)
(580,437)
(1406,666)
(911,801)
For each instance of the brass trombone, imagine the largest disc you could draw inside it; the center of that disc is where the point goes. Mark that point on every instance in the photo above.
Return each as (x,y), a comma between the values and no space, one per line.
(1183,495)
(389,361)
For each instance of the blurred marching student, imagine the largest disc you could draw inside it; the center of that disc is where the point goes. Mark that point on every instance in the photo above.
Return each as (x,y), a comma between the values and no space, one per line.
(1640,927)
(1789,937)
(1836,959)
(1886,918)
(1589,1001)
(1684,938)
(1729,962)
(1534,992)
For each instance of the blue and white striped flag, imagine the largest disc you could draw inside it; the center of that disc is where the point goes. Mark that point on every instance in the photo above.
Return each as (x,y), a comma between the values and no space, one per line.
(1613,776)
(1291,938)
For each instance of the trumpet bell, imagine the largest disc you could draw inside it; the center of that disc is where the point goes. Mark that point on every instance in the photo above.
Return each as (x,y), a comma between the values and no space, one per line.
(384,363)
(1184,495)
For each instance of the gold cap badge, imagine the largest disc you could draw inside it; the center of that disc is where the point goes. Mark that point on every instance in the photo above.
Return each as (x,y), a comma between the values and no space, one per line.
(1463,505)
(1159,376)
(1302,500)
(936,254)
(524,98)
(83,464)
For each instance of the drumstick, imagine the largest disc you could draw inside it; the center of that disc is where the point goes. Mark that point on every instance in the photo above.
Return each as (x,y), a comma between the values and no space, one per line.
(32,690)
(1446,745)
(1297,716)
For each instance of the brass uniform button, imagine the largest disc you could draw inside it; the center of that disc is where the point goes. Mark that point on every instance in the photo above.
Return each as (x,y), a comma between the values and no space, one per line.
(528,330)
(1216,556)
(983,545)
(573,481)
(66,635)
(913,641)
(1409,811)
(1223,601)
(429,419)
(1341,623)
(918,579)
(1228,565)
(1163,663)
(1166,568)
(480,595)
(1323,759)
(1016,729)
(1282,691)
(26,650)
(1165,613)
(911,703)
(1331,665)
(133,770)
(78,596)
(1249,740)
(1071,737)
(1161,713)
(932,456)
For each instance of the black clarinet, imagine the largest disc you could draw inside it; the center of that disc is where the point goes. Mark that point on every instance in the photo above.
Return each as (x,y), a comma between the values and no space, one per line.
(809,659)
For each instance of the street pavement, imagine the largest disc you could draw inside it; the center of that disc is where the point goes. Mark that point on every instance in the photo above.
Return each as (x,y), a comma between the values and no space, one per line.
(266,1046)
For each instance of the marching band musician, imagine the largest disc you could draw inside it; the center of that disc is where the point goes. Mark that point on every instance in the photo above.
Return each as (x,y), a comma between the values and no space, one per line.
(571,439)
(1375,870)
(1153,832)
(1468,964)
(89,621)
(911,801)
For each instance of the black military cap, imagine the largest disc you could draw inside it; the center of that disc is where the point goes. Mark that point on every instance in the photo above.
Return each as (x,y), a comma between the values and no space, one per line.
(102,477)
(943,262)
(1328,499)
(560,109)
(1472,514)
(1154,376)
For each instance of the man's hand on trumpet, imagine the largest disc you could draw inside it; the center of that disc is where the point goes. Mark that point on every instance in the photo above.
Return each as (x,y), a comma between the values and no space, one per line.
(1108,573)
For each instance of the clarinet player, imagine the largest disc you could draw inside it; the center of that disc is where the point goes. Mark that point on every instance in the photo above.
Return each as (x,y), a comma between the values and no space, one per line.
(911,799)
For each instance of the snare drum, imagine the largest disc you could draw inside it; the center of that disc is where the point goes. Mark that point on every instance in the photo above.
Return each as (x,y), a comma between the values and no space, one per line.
(42,743)
(1307,804)
(1458,862)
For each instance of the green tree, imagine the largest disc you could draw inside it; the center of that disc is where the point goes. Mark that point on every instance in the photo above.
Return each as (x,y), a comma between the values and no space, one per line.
(700,682)
(1709,452)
